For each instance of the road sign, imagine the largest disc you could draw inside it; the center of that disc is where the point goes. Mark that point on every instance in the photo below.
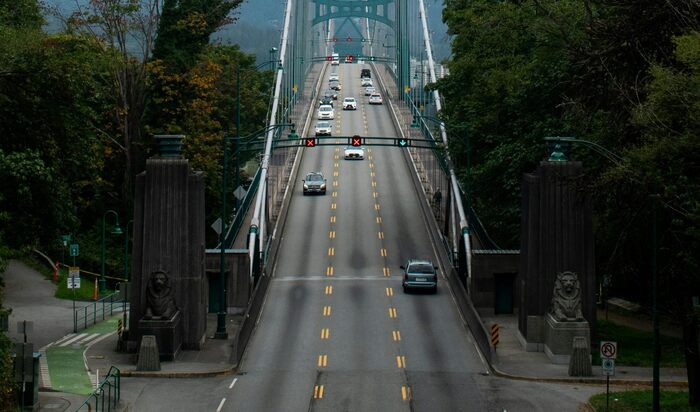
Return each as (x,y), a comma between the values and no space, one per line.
(73,282)
(608,350)
(66,239)
(401,142)
(217,226)
(74,249)
(608,367)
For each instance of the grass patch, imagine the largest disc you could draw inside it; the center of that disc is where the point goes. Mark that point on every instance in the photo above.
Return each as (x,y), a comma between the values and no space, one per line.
(85,292)
(635,348)
(640,401)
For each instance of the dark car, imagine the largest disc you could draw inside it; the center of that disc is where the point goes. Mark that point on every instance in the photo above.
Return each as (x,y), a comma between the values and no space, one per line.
(326,99)
(314,183)
(419,274)
(365,73)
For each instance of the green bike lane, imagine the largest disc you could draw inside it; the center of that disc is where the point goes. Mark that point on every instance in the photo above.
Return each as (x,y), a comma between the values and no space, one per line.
(65,367)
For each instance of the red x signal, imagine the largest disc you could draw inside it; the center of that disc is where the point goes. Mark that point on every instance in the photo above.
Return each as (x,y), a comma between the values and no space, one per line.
(310,142)
(356,141)
(329,58)
(349,58)
(349,39)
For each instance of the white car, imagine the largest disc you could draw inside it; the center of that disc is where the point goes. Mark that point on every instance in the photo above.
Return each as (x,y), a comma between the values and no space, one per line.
(375,98)
(325,112)
(324,128)
(354,153)
(335,62)
(349,103)
(369,90)
(333,76)
(366,81)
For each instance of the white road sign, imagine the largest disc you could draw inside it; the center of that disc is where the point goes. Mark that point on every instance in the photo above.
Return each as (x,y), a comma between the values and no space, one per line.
(608,350)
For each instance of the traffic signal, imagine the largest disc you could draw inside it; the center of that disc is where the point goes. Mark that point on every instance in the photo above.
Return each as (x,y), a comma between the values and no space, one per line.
(402,142)
(329,58)
(349,39)
(335,39)
(349,58)
(311,142)
(356,141)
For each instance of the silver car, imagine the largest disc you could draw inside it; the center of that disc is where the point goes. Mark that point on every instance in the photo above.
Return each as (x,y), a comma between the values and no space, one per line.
(419,274)
(314,183)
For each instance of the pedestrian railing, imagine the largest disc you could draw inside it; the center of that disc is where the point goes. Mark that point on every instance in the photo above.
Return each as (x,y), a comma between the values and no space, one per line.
(96,311)
(106,395)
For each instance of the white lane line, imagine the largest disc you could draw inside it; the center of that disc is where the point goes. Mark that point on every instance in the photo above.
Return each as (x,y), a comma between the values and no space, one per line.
(232,383)
(75,338)
(89,338)
(63,339)
(221,405)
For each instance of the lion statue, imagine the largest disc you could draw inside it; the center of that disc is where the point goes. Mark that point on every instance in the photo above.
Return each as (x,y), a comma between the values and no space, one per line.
(159,299)
(566,300)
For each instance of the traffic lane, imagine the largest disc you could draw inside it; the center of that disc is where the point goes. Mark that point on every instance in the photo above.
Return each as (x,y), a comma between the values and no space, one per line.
(361,371)
(434,338)
(405,232)
(307,220)
(278,366)
(378,120)
(166,395)
(358,247)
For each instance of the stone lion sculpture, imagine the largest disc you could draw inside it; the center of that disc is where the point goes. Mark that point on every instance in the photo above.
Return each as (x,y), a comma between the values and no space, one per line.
(566,300)
(160,303)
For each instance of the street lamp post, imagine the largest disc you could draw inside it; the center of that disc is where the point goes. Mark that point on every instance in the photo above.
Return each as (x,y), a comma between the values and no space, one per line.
(116,231)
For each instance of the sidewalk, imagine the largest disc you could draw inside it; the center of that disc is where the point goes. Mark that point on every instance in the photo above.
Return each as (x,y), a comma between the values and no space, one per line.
(512,361)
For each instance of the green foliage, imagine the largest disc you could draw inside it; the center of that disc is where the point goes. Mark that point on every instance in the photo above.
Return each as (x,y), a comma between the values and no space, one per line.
(640,401)
(7,384)
(622,74)
(506,80)
(185,28)
(21,14)
(635,346)
(53,98)
(201,103)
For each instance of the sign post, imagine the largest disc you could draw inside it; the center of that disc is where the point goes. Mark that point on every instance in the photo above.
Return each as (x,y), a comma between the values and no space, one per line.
(74,283)
(608,354)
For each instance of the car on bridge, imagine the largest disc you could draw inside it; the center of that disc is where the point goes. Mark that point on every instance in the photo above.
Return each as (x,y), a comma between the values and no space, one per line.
(335,85)
(314,182)
(324,128)
(349,103)
(334,76)
(375,98)
(419,274)
(354,153)
(369,90)
(365,73)
(326,99)
(366,81)
(325,112)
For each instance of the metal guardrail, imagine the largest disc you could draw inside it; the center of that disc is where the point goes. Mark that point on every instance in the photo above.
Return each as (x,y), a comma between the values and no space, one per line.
(96,311)
(107,395)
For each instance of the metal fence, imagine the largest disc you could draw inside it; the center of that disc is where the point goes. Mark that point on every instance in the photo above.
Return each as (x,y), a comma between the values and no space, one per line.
(96,311)
(106,396)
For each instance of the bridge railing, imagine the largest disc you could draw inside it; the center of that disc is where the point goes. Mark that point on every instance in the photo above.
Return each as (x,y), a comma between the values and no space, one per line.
(96,311)
(107,394)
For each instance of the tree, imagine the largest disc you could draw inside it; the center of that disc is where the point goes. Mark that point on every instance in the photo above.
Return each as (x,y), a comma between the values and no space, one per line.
(669,155)
(128,29)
